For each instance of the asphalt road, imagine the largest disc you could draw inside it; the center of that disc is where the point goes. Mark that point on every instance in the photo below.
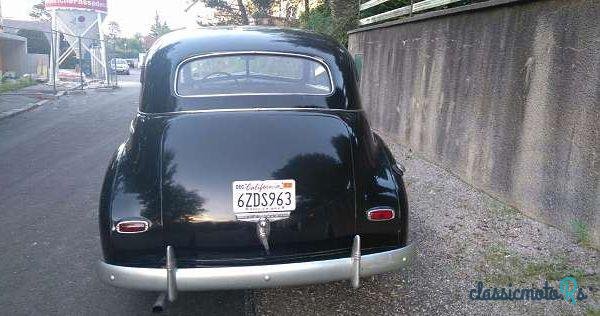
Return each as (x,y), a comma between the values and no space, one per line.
(52,162)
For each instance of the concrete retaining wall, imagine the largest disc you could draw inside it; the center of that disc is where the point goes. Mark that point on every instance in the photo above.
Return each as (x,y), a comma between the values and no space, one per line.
(504,94)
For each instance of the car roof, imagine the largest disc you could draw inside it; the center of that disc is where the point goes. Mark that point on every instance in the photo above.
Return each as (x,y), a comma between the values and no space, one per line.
(227,39)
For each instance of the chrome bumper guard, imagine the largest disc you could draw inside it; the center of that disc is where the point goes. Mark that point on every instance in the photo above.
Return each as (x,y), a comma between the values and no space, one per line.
(171,279)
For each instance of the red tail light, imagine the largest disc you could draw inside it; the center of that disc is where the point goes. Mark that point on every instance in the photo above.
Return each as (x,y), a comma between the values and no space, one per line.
(132,227)
(380,214)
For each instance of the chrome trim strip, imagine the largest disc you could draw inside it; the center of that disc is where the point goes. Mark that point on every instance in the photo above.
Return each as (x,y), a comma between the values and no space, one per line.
(317,59)
(252,277)
(250,110)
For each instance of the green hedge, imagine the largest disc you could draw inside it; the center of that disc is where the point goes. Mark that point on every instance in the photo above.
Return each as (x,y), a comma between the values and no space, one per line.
(15,85)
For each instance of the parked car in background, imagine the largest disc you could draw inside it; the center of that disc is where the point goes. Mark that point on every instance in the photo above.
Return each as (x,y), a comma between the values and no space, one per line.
(132,62)
(250,164)
(119,65)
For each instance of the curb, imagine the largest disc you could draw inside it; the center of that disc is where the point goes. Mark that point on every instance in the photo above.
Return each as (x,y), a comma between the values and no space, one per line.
(29,106)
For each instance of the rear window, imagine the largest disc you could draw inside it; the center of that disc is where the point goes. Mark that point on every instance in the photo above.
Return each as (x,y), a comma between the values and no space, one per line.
(247,74)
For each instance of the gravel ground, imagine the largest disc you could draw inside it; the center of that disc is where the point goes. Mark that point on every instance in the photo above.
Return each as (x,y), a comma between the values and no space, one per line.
(463,236)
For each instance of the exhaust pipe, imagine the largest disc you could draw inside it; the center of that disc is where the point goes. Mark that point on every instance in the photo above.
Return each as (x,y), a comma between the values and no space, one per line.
(171,294)
(160,304)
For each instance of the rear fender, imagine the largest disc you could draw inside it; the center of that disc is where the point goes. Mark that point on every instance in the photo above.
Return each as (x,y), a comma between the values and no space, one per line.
(379,185)
(131,192)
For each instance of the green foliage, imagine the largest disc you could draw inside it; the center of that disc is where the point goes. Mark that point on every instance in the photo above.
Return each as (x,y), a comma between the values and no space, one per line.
(114,29)
(127,47)
(553,269)
(591,311)
(581,231)
(496,254)
(228,13)
(39,12)
(262,8)
(503,267)
(159,28)
(318,19)
(11,85)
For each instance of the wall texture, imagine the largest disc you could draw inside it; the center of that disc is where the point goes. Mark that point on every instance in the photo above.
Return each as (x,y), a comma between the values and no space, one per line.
(38,64)
(505,95)
(13,50)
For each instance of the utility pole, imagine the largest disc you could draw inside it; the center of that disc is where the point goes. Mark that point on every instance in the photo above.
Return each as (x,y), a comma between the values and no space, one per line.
(1,20)
(80,62)
(54,50)
(115,62)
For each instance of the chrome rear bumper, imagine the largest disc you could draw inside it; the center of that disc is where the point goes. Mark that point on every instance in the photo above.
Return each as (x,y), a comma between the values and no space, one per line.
(171,279)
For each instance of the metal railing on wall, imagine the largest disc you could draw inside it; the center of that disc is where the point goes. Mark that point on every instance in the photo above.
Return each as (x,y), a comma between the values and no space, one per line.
(398,12)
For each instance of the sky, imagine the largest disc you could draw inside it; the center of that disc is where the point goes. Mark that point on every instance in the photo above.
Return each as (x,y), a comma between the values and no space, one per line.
(132,15)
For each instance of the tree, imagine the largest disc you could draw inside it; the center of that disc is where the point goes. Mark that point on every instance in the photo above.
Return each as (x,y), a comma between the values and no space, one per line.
(39,12)
(228,12)
(128,47)
(263,8)
(138,36)
(114,29)
(319,20)
(288,10)
(243,12)
(159,28)
(345,16)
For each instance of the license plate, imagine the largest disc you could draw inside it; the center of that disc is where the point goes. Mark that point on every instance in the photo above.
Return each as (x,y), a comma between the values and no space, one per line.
(264,196)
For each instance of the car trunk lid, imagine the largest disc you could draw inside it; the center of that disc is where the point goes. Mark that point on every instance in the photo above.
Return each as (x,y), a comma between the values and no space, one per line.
(204,154)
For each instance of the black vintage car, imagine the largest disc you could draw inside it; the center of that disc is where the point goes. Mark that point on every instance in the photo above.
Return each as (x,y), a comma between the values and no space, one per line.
(250,164)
